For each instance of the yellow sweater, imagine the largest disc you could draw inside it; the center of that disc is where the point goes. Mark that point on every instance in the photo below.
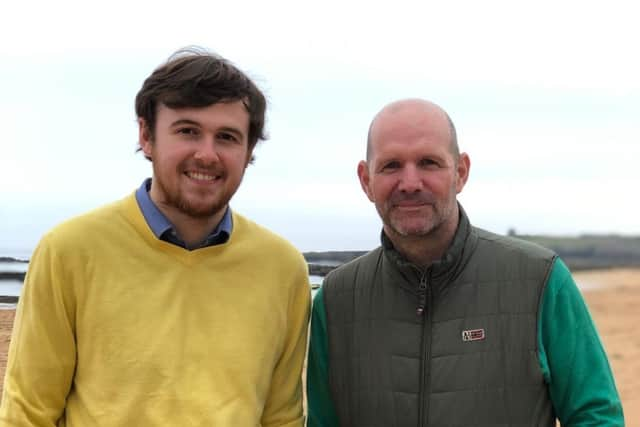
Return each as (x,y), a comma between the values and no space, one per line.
(117,328)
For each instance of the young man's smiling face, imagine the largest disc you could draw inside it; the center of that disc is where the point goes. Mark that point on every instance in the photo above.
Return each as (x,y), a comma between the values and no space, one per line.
(199,156)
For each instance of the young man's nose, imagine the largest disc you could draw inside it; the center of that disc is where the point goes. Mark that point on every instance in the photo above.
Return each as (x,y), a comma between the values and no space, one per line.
(207,152)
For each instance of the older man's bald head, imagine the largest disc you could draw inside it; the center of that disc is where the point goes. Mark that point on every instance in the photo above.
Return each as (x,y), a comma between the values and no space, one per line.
(421,110)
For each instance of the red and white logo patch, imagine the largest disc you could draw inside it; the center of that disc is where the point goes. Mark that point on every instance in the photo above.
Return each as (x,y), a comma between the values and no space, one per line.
(473,335)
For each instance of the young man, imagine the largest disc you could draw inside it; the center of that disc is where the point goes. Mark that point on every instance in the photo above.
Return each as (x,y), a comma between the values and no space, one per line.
(446,324)
(166,307)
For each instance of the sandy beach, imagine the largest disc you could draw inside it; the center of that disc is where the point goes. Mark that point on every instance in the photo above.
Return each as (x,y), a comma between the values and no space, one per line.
(613,296)
(614,302)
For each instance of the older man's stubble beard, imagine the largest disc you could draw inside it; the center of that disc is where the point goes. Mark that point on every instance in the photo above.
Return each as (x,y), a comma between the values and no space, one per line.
(430,218)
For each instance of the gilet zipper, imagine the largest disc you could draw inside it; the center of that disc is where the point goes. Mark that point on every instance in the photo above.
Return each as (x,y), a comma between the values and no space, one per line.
(424,311)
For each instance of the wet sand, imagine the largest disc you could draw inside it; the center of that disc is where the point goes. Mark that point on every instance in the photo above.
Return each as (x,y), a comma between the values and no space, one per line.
(613,297)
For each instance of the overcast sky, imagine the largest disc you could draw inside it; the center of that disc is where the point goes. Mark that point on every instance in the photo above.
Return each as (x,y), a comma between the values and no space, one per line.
(545,96)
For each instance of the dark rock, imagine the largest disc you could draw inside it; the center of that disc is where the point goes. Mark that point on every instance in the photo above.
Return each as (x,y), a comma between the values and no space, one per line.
(8,275)
(320,270)
(11,259)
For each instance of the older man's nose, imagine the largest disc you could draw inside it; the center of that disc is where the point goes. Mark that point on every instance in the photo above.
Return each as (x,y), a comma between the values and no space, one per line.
(410,180)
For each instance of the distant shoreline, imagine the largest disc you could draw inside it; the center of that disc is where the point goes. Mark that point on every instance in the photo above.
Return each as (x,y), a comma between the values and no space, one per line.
(12,260)
(584,252)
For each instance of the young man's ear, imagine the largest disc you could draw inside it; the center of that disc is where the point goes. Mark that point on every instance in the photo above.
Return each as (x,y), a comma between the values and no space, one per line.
(250,158)
(363,175)
(145,139)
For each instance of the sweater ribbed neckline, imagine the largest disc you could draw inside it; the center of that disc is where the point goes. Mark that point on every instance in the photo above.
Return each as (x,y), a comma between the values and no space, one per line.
(134,216)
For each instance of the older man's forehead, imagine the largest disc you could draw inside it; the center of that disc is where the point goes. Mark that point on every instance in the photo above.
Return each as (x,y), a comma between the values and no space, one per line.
(412,107)
(409,118)
(422,115)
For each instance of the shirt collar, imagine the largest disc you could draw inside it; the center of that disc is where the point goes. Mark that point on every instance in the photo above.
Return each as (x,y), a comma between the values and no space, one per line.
(164,230)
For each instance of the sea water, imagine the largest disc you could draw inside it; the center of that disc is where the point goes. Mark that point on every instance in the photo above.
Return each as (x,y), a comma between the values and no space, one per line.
(13,267)
(10,287)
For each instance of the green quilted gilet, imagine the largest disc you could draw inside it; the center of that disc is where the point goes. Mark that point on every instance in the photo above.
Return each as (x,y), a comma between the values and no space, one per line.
(454,345)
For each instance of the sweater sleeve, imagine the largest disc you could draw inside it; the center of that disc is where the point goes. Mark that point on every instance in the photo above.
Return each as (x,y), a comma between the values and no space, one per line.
(42,353)
(572,358)
(283,407)
(321,411)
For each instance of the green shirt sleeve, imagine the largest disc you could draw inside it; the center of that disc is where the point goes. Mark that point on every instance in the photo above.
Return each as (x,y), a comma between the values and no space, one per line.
(572,358)
(321,412)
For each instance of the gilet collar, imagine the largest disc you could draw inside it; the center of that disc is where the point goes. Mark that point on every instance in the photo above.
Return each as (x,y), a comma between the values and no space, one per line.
(445,269)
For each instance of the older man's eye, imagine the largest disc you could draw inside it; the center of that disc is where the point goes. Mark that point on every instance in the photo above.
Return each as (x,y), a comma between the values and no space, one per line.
(390,166)
(426,163)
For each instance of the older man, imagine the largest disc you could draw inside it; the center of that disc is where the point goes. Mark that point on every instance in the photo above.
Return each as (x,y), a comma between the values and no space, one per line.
(167,308)
(446,324)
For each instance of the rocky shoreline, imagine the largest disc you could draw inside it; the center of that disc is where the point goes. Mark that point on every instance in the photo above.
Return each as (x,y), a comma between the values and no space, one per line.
(320,269)
(12,259)
(12,275)
(315,269)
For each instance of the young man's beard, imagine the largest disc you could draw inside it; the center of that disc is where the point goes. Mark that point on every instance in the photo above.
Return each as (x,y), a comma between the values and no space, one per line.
(195,209)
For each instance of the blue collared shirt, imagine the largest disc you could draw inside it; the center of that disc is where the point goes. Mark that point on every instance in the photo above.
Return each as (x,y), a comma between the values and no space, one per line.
(164,230)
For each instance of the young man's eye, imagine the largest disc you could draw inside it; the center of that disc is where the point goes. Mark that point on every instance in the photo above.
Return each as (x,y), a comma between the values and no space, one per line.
(188,131)
(227,136)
